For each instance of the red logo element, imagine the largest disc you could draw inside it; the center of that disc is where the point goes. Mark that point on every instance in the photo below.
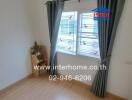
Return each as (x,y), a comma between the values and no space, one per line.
(96,14)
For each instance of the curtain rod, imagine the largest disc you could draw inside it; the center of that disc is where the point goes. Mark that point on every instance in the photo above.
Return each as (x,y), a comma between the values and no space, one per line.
(67,0)
(71,0)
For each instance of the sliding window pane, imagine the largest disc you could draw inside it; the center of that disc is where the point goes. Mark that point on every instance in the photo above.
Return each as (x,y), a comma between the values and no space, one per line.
(88,36)
(67,32)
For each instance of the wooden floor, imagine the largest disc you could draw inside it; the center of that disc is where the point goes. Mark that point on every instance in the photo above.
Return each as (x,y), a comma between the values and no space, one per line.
(43,89)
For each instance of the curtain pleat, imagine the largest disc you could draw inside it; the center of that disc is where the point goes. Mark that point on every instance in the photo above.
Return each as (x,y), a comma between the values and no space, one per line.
(54,12)
(107,32)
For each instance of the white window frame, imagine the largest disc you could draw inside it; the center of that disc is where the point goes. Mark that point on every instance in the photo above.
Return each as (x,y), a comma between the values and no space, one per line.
(77,39)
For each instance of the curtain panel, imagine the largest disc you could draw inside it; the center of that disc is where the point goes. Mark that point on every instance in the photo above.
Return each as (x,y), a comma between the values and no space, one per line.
(54,12)
(107,32)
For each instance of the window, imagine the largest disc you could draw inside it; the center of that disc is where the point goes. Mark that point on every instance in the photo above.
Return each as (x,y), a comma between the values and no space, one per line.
(78,34)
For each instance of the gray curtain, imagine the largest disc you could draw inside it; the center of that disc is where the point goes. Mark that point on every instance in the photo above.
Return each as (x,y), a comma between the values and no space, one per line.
(54,12)
(107,32)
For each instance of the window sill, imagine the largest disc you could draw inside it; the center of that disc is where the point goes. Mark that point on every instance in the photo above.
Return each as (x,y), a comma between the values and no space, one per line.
(89,56)
(80,55)
(67,53)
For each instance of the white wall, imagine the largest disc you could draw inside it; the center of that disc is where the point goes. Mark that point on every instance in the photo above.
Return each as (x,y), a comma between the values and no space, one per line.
(119,81)
(120,75)
(16,38)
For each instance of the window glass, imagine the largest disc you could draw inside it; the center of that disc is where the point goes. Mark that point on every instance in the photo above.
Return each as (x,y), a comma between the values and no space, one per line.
(81,41)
